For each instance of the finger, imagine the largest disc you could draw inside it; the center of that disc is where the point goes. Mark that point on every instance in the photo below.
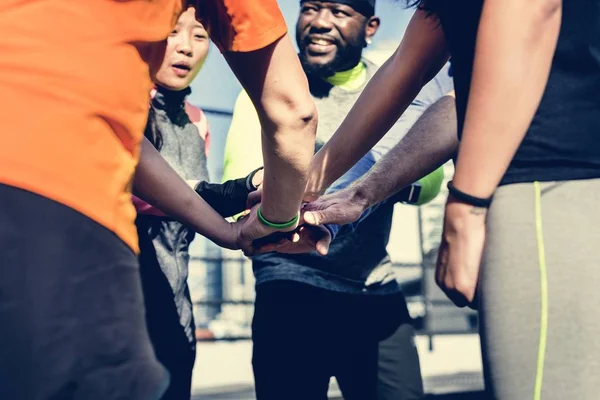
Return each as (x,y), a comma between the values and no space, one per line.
(458,299)
(318,217)
(272,246)
(295,237)
(301,220)
(330,214)
(456,296)
(268,248)
(380,277)
(272,238)
(254,198)
(474,304)
(322,245)
(388,278)
(248,250)
(244,215)
(376,276)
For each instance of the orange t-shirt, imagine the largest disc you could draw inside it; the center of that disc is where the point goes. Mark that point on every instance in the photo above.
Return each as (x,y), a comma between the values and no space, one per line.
(74,87)
(242,25)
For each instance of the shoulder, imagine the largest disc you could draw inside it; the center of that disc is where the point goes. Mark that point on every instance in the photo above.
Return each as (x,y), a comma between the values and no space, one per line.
(198,118)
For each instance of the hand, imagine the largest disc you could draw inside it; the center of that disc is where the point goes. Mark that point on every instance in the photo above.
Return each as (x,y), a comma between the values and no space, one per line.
(460,252)
(304,240)
(252,229)
(342,207)
(380,276)
(254,198)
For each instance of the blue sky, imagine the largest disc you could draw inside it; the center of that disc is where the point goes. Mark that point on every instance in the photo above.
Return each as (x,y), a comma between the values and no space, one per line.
(216,87)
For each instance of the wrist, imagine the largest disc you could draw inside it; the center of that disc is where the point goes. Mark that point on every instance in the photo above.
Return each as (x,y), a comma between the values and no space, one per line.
(469,199)
(286,225)
(457,211)
(361,196)
(234,234)
(277,215)
(473,184)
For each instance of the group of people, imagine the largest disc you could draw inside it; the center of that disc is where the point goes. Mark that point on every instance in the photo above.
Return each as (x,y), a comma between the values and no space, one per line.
(105,184)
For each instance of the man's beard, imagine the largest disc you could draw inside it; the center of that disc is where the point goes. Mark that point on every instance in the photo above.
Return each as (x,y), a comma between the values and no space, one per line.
(345,58)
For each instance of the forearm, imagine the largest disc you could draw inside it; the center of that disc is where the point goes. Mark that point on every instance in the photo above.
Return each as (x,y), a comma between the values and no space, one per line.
(287,154)
(515,46)
(409,194)
(430,143)
(419,57)
(277,86)
(159,185)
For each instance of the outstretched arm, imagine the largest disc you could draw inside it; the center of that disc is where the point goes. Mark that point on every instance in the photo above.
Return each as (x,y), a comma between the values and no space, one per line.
(277,86)
(430,142)
(157,184)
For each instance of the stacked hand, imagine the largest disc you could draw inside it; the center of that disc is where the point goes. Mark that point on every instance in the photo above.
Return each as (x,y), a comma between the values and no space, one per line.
(256,238)
(310,234)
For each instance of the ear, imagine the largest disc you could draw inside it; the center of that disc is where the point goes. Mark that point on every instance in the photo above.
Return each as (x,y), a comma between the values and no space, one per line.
(371,28)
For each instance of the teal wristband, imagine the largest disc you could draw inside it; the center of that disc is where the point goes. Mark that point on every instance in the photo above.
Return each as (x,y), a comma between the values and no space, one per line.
(274,225)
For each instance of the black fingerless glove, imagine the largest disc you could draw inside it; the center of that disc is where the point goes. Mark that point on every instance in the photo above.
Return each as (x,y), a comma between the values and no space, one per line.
(228,198)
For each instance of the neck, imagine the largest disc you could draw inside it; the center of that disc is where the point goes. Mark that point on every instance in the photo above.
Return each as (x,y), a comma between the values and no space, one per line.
(170,99)
(350,79)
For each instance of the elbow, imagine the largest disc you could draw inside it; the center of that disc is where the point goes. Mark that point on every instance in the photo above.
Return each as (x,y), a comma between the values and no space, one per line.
(546,11)
(550,8)
(294,117)
(304,117)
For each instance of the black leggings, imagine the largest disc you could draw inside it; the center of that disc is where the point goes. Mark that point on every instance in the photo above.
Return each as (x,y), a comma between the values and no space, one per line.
(304,335)
(71,309)
(172,347)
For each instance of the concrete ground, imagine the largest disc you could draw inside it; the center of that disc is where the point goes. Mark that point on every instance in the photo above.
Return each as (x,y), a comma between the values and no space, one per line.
(451,371)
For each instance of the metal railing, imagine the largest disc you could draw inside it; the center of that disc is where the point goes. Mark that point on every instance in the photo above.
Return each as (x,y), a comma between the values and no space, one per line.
(429,299)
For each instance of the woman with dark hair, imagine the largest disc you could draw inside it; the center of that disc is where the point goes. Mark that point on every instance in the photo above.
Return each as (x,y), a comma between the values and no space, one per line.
(527,78)
(179,132)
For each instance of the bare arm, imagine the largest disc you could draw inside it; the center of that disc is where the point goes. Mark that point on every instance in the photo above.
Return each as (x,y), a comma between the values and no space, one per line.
(515,46)
(159,185)
(419,57)
(277,86)
(430,142)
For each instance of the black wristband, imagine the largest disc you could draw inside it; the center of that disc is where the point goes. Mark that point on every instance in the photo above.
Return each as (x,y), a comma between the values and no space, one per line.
(468,199)
(249,185)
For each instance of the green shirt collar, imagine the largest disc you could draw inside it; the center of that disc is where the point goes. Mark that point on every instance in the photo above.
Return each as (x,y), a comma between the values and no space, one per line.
(351,79)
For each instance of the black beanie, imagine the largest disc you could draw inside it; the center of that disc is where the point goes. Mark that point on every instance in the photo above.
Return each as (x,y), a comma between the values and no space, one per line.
(365,7)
